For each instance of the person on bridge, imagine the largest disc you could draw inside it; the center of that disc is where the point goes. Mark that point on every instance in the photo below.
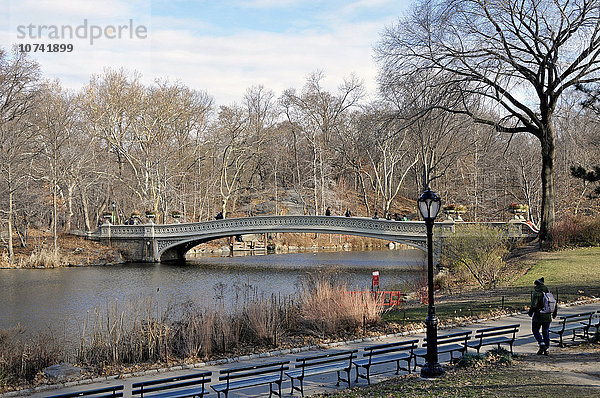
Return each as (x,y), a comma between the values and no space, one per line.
(219,216)
(348,214)
(328,211)
(540,319)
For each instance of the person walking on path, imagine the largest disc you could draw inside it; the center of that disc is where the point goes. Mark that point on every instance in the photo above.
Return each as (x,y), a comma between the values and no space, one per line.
(540,318)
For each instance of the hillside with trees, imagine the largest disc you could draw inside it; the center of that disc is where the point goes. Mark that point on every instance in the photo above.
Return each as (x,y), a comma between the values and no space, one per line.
(447,119)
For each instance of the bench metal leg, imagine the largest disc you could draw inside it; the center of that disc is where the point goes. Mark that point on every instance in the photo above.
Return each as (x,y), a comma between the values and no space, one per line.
(366,375)
(272,391)
(347,380)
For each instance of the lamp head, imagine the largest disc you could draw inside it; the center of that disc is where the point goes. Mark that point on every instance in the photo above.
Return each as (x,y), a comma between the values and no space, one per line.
(429,205)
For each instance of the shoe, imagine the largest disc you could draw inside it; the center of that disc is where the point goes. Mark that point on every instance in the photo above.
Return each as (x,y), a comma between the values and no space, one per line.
(545,351)
(541,350)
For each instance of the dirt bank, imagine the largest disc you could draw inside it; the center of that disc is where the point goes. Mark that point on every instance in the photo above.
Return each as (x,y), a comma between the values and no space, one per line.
(73,251)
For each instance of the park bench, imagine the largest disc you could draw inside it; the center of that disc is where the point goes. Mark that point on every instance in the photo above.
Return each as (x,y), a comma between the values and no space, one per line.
(250,376)
(577,324)
(495,336)
(104,392)
(340,361)
(191,385)
(386,353)
(447,343)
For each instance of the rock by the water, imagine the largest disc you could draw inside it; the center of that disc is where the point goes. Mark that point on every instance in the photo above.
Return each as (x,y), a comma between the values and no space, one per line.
(62,371)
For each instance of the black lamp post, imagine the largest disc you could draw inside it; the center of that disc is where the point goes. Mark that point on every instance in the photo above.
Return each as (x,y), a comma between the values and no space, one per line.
(429,207)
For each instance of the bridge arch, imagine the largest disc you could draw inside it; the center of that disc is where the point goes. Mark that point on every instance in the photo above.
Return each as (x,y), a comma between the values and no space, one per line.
(177,250)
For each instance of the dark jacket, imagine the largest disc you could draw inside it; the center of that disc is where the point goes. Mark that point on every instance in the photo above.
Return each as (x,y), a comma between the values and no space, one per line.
(537,304)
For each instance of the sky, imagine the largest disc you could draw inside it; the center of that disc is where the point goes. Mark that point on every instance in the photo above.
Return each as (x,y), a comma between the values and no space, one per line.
(221,47)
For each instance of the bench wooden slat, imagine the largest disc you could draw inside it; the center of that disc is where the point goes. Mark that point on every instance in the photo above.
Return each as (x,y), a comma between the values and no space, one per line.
(177,393)
(252,367)
(233,385)
(104,392)
(171,379)
(325,355)
(235,375)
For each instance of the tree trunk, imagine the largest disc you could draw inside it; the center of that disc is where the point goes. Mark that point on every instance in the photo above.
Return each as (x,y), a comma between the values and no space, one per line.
(85,209)
(364,193)
(54,218)
(548,198)
(69,218)
(11,251)
(315,184)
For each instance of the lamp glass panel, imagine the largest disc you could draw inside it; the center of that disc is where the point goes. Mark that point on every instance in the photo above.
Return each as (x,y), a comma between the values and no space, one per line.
(423,208)
(434,208)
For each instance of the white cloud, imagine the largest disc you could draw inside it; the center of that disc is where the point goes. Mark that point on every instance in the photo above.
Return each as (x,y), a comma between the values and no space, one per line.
(269,3)
(224,66)
(356,6)
(75,9)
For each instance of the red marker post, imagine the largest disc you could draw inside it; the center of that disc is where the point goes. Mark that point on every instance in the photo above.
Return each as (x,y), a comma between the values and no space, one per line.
(375,281)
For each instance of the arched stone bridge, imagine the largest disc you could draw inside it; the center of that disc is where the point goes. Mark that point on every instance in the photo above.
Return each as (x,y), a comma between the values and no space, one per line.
(164,242)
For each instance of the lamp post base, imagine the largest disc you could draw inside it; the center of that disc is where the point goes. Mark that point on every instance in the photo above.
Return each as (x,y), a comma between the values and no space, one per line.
(430,371)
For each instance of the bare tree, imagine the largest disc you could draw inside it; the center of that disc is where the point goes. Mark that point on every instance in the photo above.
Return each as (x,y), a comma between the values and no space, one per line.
(55,127)
(233,150)
(318,113)
(518,57)
(18,92)
(385,143)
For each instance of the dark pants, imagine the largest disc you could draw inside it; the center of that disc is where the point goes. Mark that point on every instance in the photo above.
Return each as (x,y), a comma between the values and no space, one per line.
(544,338)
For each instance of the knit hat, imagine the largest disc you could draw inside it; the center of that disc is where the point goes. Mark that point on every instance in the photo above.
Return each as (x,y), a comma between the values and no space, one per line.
(539,281)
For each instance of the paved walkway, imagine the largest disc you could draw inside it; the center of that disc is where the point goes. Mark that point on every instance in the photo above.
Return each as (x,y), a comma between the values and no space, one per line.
(525,344)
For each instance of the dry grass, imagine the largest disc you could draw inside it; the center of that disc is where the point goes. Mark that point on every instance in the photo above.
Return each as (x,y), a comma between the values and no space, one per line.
(21,358)
(72,250)
(325,307)
(42,257)
(142,332)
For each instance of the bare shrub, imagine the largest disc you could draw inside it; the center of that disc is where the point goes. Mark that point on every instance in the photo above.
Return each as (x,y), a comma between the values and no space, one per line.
(141,331)
(576,232)
(326,308)
(264,320)
(22,358)
(42,257)
(189,332)
(477,251)
(120,336)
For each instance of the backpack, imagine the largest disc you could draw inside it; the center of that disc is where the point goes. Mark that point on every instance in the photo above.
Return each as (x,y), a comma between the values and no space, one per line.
(549,304)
